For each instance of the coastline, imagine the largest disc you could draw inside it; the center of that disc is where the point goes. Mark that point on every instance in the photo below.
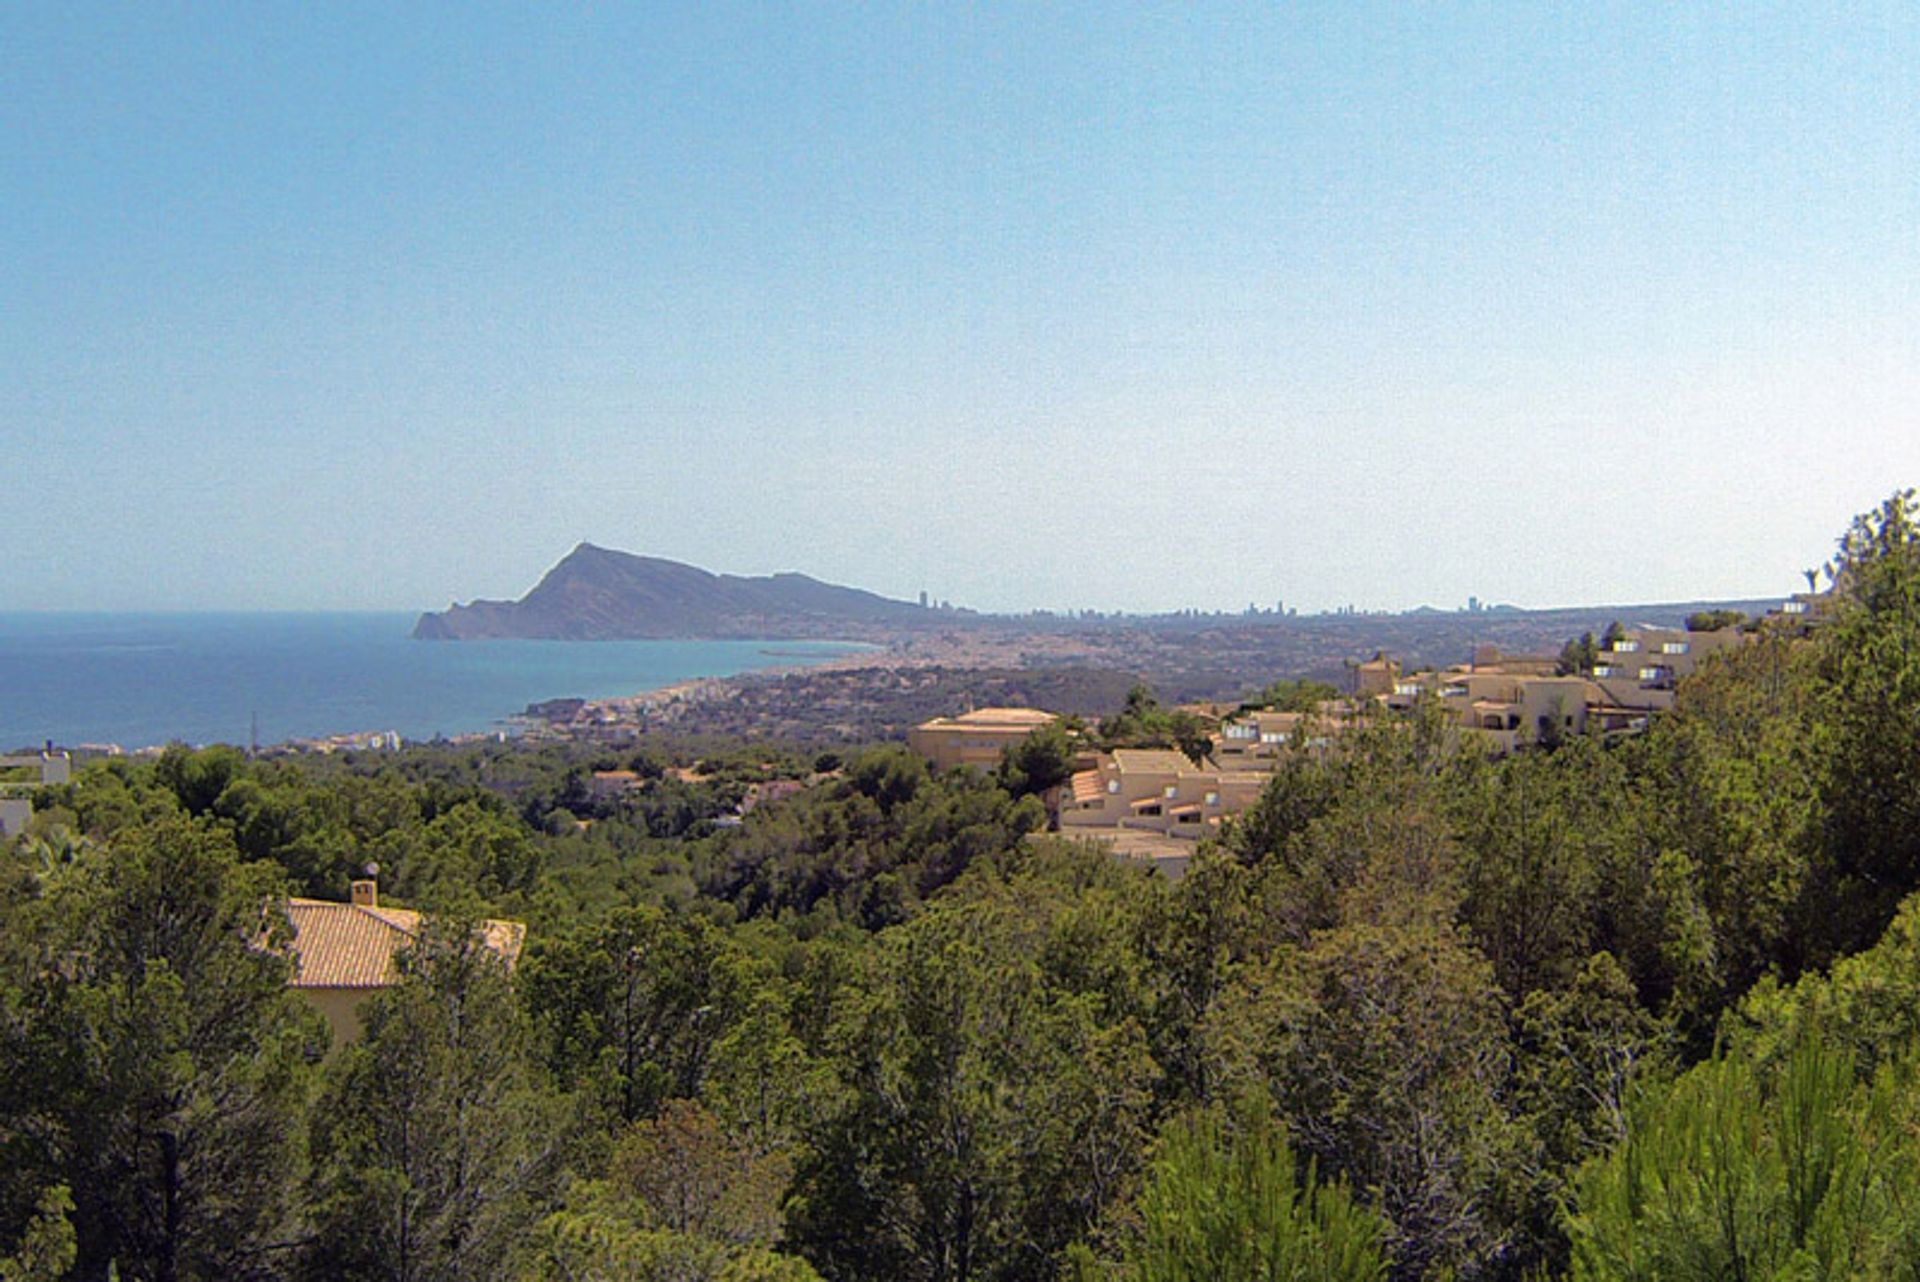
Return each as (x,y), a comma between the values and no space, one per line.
(130,683)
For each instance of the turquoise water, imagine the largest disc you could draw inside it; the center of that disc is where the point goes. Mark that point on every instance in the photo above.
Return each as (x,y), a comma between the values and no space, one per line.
(137,679)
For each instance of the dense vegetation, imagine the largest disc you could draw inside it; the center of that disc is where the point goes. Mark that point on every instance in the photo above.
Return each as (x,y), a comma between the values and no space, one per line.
(1648,1009)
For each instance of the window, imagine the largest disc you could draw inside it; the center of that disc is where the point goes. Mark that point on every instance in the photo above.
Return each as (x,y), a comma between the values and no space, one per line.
(1794,607)
(1113,785)
(1407,688)
(1605,670)
(1625,647)
(1652,674)
(1273,736)
(1172,790)
(1674,647)
(1213,799)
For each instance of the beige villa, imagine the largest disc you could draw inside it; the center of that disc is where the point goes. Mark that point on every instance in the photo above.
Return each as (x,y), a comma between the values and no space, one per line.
(1156,790)
(345,953)
(975,739)
(1255,740)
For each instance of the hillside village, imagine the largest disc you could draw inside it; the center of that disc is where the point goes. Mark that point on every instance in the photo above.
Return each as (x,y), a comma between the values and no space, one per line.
(1154,802)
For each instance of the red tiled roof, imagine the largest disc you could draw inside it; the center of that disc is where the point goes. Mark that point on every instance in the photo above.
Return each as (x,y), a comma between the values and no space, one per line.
(339,945)
(1088,786)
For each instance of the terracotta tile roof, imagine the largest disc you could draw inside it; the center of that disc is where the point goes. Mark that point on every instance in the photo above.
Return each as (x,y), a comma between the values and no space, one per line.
(1088,786)
(352,946)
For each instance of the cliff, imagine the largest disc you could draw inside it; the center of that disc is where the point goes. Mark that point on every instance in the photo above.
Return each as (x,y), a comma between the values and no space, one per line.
(595,594)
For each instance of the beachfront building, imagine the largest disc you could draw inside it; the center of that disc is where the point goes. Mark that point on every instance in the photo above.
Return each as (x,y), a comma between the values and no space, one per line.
(976,739)
(345,953)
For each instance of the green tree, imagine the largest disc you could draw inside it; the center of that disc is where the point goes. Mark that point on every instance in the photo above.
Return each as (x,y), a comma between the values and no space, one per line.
(1300,695)
(48,1248)
(435,1139)
(634,1007)
(1578,657)
(1143,723)
(1221,1204)
(152,1059)
(693,1178)
(1583,1053)
(1731,811)
(198,778)
(599,1237)
(1038,763)
(1870,759)
(1538,833)
(1386,1050)
(1796,1174)
(981,1118)
(1714,620)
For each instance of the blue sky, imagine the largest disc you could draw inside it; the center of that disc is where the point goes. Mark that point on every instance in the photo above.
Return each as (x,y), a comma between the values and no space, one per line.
(1124,307)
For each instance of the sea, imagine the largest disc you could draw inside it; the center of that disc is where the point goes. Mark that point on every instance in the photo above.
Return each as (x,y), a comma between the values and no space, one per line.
(142,679)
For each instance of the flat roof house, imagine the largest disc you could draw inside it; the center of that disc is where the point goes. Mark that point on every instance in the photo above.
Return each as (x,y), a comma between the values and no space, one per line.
(1501,709)
(977,738)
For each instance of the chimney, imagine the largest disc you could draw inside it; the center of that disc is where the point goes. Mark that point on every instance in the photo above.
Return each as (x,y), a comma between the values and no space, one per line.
(366,893)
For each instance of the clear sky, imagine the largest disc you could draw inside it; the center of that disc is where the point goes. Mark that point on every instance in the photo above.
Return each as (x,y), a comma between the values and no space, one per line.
(337,305)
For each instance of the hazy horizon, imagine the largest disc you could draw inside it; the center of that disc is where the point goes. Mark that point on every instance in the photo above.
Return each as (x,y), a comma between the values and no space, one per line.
(1331,610)
(355,308)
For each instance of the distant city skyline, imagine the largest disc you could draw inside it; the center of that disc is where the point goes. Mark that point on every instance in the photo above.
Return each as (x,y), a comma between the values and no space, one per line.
(313,307)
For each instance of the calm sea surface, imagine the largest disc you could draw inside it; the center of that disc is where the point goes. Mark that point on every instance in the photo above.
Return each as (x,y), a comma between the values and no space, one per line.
(137,679)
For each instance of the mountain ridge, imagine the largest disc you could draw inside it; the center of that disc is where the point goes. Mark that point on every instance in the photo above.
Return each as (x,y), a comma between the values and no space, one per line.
(600,594)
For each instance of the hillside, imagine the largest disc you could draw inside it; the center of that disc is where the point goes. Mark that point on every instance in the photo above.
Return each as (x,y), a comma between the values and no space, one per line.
(595,594)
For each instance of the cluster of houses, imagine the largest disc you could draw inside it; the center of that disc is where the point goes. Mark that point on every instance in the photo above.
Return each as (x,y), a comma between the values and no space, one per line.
(1513,702)
(1504,703)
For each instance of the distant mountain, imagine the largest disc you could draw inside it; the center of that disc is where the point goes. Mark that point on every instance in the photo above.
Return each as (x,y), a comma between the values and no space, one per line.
(595,594)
